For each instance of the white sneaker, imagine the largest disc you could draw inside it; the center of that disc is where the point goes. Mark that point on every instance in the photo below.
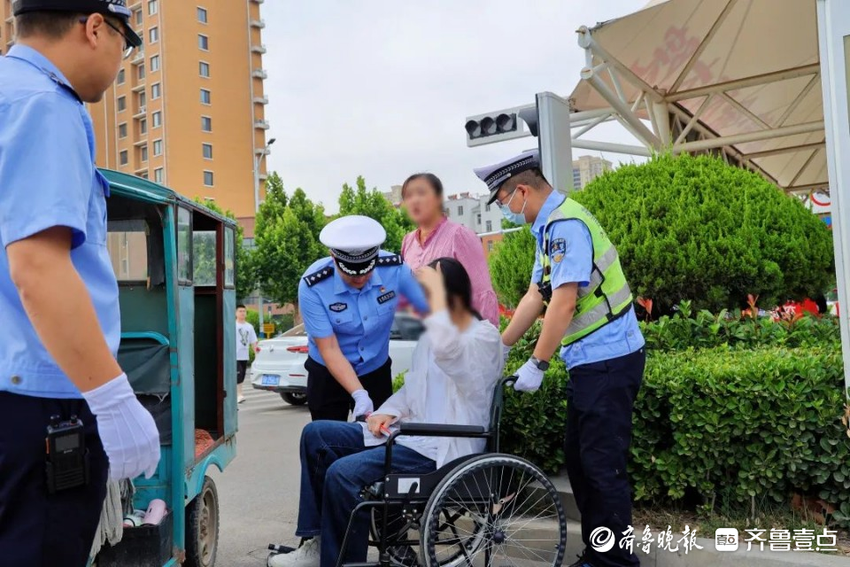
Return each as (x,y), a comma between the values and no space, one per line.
(240,399)
(305,556)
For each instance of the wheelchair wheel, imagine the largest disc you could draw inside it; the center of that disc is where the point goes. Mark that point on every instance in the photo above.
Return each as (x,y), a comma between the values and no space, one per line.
(493,509)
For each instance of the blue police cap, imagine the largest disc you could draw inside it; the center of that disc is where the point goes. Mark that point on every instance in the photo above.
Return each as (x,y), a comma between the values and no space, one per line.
(495,175)
(354,241)
(115,8)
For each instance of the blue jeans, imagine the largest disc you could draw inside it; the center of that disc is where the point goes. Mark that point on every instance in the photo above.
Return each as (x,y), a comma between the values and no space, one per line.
(335,467)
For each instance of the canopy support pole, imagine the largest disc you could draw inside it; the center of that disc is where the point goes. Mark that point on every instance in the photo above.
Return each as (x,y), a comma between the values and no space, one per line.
(834,46)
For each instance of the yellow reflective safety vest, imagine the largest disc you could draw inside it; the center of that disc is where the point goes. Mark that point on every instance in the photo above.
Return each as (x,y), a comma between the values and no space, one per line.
(607,295)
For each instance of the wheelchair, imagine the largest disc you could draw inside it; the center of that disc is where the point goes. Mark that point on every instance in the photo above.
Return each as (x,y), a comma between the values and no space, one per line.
(487,509)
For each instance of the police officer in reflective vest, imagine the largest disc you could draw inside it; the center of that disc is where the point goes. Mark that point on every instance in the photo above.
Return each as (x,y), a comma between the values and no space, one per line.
(589,316)
(348,302)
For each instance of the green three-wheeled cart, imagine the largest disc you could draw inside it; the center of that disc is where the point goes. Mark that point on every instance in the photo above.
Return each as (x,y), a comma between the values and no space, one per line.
(175,264)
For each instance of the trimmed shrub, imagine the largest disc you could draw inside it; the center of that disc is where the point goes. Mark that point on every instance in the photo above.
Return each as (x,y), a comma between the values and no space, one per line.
(697,228)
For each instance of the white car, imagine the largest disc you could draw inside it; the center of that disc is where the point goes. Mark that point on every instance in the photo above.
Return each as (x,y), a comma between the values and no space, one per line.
(279,366)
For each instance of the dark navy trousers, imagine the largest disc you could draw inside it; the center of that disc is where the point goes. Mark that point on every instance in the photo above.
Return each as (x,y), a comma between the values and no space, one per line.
(600,400)
(38,529)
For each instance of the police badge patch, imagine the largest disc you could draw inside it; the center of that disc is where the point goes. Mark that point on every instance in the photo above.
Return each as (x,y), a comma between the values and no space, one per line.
(558,249)
(386,297)
(338,307)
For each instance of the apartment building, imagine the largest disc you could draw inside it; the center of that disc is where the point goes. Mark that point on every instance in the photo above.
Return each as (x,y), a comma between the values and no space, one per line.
(188,109)
(473,212)
(588,168)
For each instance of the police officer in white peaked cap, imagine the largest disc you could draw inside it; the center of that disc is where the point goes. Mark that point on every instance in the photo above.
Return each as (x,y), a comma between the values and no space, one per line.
(590,319)
(348,301)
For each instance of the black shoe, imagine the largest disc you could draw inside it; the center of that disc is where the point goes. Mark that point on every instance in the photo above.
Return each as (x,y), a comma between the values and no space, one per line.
(582,561)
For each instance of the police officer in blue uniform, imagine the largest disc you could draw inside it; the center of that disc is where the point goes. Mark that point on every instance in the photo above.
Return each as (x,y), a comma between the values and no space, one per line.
(60,385)
(590,318)
(348,302)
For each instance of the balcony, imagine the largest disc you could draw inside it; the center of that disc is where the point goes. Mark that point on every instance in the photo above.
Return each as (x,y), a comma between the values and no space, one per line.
(261,100)
(140,87)
(263,176)
(141,112)
(259,24)
(260,74)
(139,57)
(261,124)
(261,49)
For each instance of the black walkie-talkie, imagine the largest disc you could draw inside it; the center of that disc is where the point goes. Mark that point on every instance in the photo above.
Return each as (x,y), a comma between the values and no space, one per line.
(67,463)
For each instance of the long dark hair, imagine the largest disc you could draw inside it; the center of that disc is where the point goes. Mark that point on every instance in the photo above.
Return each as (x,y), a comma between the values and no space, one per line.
(430,178)
(456,280)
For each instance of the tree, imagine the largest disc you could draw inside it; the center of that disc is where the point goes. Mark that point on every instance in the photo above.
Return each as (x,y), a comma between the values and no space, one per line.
(697,228)
(372,203)
(511,263)
(286,241)
(204,253)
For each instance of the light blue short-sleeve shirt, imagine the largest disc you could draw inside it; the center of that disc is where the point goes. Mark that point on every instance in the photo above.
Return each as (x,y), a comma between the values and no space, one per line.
(48,179)
(621,336)
(361,319)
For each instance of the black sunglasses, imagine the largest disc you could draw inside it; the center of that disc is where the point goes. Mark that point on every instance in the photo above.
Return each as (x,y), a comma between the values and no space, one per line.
(128,45)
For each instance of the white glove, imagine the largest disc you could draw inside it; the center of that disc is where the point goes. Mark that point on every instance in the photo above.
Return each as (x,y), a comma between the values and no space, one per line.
(362,403)
(529,377)
(506,352)
(127,430)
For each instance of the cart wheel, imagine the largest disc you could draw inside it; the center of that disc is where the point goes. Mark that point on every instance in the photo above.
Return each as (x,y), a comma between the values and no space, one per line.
(202,527)
(294,398)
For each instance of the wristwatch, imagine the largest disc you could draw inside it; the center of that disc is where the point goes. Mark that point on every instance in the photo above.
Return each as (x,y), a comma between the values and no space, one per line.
(542,365)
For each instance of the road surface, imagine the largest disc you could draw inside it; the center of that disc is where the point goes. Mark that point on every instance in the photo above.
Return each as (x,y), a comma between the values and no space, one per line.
(259,490)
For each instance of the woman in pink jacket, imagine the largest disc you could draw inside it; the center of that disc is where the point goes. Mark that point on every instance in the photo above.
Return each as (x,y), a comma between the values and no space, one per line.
(438,237)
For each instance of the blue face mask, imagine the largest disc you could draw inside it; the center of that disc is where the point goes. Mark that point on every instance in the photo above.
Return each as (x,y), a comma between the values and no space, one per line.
(516,218)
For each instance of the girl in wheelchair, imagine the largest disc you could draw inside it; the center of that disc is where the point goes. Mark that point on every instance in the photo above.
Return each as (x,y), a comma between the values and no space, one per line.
(456,366)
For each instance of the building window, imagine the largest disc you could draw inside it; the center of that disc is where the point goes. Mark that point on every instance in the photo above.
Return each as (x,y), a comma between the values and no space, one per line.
(120,78)
(157,175)
(138,16)
(206,123)
(204,69)
(154,63)
(143,175)
(157,147)
(202,15)
(208,178)
(143,153)
(490,246)
(143,126)
(122,157)
(154,35)
(460,210)
(157,119)
(141,72)
(156,91)
(122,103)
(478,218)
(122,130)
(203,42)
(153,7)
(207,151)
(489,226)
(206,97)
(143,100)
(487,208)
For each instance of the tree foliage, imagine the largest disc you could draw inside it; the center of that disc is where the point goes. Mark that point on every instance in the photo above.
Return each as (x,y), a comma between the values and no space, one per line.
(511,263)
(286,240)
(697,228)
(204,254)
(371,203)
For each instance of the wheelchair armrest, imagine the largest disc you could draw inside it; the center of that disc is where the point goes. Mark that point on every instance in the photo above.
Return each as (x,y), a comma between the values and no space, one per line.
(442,430)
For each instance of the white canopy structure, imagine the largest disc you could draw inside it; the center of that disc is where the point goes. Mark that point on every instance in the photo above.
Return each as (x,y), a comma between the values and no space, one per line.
(741,77)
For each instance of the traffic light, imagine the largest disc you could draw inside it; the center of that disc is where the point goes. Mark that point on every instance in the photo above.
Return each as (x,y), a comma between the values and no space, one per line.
(495,126)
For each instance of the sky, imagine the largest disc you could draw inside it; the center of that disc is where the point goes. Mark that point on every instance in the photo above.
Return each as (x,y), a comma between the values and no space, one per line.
(382,88)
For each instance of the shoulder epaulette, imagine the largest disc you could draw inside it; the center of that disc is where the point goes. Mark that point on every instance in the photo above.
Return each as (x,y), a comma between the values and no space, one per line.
(394,260)
(318,276)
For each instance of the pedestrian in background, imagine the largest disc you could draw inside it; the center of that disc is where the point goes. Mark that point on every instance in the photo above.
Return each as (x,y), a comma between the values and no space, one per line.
(58,293)
(438,237)
(348,303)
(246,340)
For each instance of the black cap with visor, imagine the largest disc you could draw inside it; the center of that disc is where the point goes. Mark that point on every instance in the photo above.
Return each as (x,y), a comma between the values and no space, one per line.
(114,8)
